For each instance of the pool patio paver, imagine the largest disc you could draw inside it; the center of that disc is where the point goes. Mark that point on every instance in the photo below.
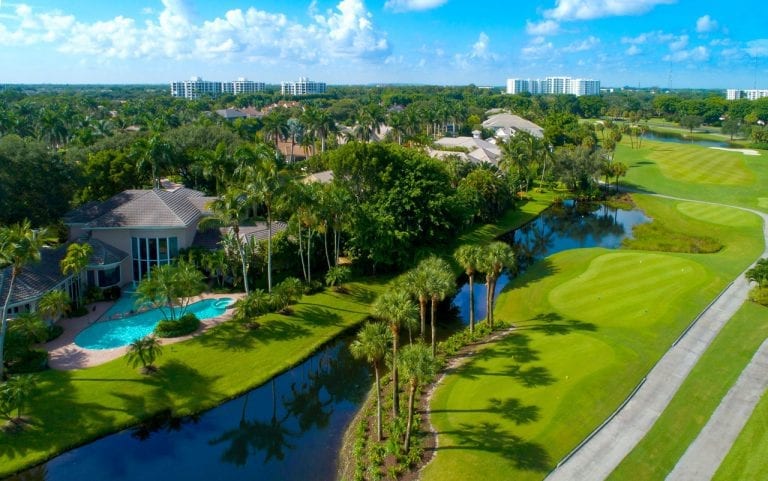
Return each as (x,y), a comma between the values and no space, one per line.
(64,354)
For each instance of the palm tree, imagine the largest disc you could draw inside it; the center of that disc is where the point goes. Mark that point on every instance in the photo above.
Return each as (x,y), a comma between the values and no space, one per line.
(416,282)
(396,308)
(418,366)
(440,284)
(155,152)
(468,255)
(15,393)
(215,262)
(496,257)
(371,344)
(337,276)
(144,352)
(19,245)
(74,263)
(53,305)
(228,210)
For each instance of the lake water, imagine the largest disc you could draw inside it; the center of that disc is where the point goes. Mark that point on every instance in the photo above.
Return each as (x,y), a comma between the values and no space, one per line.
(676,139)
(292,427)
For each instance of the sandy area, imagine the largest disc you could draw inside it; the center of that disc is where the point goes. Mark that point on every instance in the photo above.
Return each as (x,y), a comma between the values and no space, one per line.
(64,354)
(743,151)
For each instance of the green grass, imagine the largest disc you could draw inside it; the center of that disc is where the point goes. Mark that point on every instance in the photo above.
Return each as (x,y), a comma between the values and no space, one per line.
(591,323)
(746,459)
(73,407)
(699,173)
(719,367)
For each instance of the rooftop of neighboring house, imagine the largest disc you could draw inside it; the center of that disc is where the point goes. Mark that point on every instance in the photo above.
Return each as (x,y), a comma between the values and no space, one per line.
(476,150)
(506,121)
(324,177)
(210,238)
(174,207)
(35,278)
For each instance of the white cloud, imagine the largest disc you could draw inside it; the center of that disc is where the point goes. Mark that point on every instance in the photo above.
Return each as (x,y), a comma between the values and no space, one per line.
(537,48)
(698,54)
(479,53)
(412,5)
(679,43)
(254,35)
(583,45)
(591,9)
(706,24)
(757,48)
(633,50)
(545,27)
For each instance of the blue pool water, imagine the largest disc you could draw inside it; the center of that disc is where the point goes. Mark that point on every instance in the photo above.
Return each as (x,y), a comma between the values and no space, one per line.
(121,332)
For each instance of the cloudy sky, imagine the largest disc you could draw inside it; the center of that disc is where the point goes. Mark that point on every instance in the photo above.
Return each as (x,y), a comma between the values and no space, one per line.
(677,43)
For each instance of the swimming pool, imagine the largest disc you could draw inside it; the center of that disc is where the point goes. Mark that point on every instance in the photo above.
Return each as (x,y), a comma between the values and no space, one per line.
(121,332)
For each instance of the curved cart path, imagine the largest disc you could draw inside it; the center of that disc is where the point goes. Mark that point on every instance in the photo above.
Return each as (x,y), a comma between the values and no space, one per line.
(606,448)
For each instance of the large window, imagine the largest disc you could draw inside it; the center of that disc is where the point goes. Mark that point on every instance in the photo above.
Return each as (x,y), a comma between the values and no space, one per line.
(109,277)
(149,252)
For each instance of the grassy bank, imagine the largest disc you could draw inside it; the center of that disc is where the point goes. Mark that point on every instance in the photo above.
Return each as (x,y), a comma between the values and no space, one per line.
(700,394)
(746,459)
(591,323)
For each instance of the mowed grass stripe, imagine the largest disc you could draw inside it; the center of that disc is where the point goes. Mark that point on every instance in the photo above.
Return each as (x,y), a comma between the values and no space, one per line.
(747,458)
(702,165)
(716,214)
(699,395)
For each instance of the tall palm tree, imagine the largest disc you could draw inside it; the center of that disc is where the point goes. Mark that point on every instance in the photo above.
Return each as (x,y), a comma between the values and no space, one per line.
(228,210)
(441,283)
(371,344)
(468,255)
(19,245)
(17,391)
(496,257)
(418,366)
(416,282)
(74,263)
(154,151)
(396,308)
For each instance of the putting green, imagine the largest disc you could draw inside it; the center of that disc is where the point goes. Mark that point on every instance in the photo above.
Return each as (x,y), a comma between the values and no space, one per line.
(625,288)
(700,165)
(716,214)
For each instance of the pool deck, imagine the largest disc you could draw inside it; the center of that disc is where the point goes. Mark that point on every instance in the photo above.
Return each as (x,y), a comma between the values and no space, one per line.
(65,355)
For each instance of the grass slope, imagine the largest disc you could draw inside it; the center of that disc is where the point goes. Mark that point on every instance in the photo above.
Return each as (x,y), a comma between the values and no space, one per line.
(591,323)
(695,172)
(719,367)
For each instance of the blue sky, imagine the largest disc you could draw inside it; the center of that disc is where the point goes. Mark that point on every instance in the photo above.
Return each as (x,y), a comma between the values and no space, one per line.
(677,43)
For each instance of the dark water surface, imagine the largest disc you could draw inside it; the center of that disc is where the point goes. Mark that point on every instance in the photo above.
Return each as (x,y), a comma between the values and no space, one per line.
(676,139)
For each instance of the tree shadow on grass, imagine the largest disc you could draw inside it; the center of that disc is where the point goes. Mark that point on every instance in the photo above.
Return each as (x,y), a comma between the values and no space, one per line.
(279,330)
(552,323)
(534,376)
(540,269)
(491,438)
(229,336)
(360,294)
(318,315)
(511,409)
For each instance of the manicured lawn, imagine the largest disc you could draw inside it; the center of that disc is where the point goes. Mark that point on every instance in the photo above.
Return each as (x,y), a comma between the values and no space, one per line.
(76,406)
(591,323)
(695,172)
(747,458)
(719,367)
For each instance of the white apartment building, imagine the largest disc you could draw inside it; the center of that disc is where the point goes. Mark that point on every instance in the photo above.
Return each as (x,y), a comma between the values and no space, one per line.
(196,87)
(752,94)
(303,87)
(554,85)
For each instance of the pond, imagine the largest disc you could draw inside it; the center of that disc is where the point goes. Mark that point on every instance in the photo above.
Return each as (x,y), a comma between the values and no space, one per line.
(677,139)
(292,427)
(570,225)
(289,428)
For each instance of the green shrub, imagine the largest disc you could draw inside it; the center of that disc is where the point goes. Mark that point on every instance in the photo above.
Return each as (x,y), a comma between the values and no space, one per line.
(54,331)
(759,295)
(186,324)
(34,360)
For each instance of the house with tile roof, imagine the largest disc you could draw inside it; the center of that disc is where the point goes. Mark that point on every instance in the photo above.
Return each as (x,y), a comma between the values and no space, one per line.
(470,149)
(136,230)
(505,125)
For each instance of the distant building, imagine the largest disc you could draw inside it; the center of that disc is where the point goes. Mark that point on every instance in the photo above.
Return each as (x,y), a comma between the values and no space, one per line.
(196,87)
(753,94)
(554,85)
(303,87)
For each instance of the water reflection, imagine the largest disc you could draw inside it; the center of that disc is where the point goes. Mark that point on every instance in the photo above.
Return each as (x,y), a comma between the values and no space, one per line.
(290,428)
(570,225)
(676,139)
